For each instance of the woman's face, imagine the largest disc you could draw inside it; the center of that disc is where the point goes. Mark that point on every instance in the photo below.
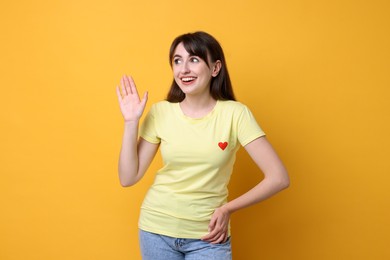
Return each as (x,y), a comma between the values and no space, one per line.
(191,73)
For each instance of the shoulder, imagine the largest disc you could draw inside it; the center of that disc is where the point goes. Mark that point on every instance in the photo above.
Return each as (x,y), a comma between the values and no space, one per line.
(236,111)
(162,104)
(233,106)
(162,107)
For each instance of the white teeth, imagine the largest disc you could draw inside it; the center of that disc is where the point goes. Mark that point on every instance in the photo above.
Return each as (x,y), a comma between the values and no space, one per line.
(187,79)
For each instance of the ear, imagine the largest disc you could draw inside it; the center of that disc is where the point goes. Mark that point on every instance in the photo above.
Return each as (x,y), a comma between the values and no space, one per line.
(216,68)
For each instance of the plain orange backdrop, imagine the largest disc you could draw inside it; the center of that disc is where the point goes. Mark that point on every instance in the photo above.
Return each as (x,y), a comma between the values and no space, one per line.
(315,74)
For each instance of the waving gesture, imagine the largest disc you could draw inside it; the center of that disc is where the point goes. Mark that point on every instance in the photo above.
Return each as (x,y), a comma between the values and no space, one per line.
(131,105)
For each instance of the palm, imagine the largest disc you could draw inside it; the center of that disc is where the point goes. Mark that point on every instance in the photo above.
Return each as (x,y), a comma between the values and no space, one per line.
(130,104)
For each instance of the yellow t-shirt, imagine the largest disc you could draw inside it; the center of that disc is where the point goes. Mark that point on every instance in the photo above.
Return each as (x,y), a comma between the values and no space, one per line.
(198,157)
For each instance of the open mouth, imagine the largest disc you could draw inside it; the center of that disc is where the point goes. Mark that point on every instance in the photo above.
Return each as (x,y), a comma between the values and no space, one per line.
(188,80)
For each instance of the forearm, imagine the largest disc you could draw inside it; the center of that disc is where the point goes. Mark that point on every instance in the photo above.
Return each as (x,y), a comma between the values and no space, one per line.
(128,158)
(218,227)
(276,176)
(265,189)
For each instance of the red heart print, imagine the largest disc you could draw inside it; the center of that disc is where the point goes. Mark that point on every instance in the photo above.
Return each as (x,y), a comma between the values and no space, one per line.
(223,145)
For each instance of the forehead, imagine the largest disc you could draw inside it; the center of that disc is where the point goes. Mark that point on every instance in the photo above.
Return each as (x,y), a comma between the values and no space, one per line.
(180,50)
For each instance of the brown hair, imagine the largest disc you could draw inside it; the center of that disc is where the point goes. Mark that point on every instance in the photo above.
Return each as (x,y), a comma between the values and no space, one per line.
(206,47)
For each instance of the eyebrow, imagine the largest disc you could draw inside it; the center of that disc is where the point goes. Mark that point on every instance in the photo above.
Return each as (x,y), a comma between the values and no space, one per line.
(179,56)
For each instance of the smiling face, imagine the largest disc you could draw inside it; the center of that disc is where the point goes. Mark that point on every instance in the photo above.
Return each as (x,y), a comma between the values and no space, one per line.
(192,74)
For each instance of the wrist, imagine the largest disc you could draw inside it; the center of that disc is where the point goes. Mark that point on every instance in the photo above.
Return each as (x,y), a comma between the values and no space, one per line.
(227,208)
(131,124)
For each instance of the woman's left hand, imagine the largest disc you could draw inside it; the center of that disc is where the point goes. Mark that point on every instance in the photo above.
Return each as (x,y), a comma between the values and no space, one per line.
(218,227)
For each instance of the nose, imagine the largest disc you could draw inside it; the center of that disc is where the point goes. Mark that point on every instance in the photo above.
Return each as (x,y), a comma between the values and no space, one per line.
(185,68)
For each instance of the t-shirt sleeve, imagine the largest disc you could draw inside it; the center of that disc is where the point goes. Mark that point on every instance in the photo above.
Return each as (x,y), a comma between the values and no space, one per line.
(148,127)
(248,128)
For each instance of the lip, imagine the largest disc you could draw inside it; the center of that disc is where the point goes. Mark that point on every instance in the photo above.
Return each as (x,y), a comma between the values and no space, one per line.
(193,79)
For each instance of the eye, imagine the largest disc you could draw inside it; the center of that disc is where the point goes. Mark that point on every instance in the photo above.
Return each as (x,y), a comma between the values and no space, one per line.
(176,61)
(195,59)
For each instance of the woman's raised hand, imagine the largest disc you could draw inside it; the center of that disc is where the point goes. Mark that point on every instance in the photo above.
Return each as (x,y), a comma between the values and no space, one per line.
(131,105)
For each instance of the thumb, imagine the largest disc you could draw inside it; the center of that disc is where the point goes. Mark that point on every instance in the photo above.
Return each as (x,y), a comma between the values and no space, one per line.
(144,99)
(212,223)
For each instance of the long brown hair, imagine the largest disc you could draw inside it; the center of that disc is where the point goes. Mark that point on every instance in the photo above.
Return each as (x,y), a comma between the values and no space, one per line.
(206,47)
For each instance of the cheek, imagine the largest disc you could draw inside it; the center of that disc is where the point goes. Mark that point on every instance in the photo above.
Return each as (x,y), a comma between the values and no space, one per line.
(175,72)
(207,73)
(177,81)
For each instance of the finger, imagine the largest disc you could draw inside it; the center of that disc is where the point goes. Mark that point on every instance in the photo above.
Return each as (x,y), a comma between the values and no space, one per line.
(127,84)
(212,223)
(144,99)
(210,236)
(226,239)
(124,91)
(212,233)
(217,233)
(132,85)
(220,239)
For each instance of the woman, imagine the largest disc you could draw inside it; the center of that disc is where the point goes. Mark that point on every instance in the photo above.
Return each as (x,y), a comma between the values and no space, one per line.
(185,214)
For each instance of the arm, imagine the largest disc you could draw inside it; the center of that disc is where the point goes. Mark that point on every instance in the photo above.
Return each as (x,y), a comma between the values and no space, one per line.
(275,180)
(135,157)
(275,175)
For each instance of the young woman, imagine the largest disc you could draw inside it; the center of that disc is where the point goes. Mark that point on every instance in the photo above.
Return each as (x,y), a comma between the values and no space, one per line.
(199,128)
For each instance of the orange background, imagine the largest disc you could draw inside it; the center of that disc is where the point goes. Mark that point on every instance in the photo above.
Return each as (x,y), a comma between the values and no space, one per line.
(315,74)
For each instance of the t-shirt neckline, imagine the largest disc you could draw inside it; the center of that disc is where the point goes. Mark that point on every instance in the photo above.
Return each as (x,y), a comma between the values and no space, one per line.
(196,120)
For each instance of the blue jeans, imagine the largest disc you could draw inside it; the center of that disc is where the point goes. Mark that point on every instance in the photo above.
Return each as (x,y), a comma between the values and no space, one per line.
(159,247)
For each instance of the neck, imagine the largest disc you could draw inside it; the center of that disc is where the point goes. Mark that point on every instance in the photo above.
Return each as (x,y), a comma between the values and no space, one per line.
(197,107)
